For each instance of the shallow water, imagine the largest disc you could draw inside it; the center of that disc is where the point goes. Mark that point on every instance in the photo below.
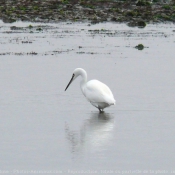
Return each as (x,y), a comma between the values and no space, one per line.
(44,128)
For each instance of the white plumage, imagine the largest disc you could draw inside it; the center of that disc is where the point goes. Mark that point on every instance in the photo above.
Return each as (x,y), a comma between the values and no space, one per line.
(96,92)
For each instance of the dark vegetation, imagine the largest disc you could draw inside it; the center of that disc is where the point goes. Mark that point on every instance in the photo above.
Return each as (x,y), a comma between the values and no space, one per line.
(135,13)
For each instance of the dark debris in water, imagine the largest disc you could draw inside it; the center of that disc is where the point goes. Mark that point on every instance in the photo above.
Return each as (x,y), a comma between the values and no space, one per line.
(139,24)
(27,42)
(139,47)
(18,53)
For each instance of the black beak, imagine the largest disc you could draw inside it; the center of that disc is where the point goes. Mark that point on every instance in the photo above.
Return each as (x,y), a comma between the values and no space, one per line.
(70,82)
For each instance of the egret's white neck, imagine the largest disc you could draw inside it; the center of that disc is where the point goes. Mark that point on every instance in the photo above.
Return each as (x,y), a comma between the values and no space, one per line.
(83,80)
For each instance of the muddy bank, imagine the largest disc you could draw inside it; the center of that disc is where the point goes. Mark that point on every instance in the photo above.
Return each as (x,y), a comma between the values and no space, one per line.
(132,12)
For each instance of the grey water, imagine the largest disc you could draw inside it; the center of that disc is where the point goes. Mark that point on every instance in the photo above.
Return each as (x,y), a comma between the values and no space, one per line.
(44,129)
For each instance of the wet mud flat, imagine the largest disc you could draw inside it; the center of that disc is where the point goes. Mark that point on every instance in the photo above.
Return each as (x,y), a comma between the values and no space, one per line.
(133,12)
(28,35)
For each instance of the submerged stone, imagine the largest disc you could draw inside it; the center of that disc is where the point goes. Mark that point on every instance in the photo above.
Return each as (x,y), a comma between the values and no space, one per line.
(139,24)
(139,47)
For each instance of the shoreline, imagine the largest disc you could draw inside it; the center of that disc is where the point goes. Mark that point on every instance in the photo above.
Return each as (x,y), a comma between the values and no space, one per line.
(131,12)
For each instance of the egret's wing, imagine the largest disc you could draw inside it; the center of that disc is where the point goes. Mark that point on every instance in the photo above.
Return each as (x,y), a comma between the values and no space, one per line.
(96,91)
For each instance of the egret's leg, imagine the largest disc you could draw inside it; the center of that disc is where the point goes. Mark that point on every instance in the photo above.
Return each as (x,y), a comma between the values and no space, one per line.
(100,110)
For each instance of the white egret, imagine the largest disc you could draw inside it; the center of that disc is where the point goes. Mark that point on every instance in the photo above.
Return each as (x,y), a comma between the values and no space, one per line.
(96,92)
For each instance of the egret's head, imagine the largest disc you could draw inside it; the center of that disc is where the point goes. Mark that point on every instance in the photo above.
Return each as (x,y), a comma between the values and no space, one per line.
(76,73)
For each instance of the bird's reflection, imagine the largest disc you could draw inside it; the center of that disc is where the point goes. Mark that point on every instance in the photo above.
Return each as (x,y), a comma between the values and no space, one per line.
(94,133)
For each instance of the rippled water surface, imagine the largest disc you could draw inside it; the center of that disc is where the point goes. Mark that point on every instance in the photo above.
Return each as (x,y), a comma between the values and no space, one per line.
(44,128)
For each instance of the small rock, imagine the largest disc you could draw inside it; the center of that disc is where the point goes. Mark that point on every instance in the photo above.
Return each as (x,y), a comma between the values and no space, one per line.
(139,47)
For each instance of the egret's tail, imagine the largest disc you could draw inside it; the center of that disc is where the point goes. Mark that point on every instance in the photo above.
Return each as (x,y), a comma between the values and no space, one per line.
(112,103)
